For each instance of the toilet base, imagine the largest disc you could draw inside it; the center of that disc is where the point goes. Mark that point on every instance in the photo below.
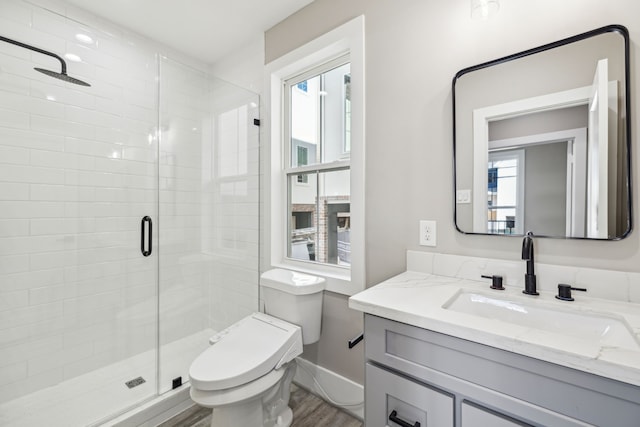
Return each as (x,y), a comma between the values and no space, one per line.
(285,418)
(246,414)
(268,409)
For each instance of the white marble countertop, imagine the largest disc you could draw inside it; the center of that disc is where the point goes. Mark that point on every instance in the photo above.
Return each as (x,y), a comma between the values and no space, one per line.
(421,299)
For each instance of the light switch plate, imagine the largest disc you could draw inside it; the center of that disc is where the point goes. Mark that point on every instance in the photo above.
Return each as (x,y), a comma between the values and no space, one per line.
(463,196)
(427,233)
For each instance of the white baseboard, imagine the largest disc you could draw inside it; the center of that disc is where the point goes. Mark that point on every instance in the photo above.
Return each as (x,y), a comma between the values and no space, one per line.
(338,388)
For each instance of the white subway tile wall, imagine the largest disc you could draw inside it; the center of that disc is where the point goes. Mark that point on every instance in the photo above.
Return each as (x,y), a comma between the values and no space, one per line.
(70,264)
(80,167)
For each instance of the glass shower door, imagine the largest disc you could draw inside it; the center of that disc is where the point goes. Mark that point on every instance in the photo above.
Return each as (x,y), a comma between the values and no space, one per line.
(209,168)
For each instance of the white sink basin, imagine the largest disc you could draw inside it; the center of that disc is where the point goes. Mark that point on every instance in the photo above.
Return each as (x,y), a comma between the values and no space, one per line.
(607,331)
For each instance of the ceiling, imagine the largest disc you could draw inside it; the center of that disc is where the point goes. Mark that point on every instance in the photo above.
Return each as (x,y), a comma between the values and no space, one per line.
(204,29)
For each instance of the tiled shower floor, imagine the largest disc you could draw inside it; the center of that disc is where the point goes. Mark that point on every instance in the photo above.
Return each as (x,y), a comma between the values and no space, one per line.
(92,397)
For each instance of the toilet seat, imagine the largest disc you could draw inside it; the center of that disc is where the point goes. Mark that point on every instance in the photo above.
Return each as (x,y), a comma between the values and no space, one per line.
(254,347)
(237,395)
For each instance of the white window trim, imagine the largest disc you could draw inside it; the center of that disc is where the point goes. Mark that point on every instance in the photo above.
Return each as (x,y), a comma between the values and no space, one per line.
(519,155)
(348,38)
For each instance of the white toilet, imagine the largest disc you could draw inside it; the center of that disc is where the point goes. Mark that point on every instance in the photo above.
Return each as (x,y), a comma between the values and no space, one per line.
(246,374)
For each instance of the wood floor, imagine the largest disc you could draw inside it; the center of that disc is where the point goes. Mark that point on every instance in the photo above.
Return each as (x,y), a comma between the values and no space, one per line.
(308,411)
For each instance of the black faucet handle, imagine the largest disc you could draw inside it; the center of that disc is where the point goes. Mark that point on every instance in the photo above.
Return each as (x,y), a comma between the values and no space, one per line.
(564,292)
(496,282)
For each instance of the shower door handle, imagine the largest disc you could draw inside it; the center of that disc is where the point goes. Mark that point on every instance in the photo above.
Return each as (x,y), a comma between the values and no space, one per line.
(145,225)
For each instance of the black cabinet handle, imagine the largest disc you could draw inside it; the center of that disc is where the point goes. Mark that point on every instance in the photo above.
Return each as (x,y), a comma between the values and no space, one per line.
(393,416)
(149,239)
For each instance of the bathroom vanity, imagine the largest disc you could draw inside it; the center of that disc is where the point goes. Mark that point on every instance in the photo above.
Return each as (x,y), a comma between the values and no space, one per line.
(440,380)
(448,351)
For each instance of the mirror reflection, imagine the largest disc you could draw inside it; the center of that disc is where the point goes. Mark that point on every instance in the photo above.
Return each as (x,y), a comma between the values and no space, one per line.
(541,140)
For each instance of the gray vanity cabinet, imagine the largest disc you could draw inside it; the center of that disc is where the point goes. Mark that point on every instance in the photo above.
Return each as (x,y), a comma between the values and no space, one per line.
(419,376)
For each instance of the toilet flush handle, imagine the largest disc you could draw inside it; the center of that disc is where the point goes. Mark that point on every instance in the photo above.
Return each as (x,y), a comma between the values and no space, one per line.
(294,351)
(352,343)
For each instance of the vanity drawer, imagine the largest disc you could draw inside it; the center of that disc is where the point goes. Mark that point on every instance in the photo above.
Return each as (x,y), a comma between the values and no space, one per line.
(392,397)
(477,416)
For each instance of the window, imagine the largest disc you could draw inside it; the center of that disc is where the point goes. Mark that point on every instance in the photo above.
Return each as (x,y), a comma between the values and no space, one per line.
(317,124)
(347,113)
(302,86)
(505,196)
(315,182)
(302,160)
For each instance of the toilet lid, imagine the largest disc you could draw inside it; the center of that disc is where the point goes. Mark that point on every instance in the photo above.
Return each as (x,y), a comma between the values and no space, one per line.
(246,351)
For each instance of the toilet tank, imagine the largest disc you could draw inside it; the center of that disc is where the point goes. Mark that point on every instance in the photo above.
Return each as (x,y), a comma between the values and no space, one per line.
(294,297)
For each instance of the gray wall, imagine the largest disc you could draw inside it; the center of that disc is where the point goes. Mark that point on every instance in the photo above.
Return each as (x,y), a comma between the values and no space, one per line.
(413,50)
(545,192)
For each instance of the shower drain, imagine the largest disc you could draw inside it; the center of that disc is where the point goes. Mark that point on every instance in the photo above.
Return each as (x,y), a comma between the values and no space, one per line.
(135,382)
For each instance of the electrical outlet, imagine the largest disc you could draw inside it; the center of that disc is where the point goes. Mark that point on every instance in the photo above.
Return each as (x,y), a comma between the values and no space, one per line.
(427,233)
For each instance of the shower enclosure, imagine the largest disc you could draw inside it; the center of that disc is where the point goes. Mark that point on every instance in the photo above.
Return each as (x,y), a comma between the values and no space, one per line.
(129,217)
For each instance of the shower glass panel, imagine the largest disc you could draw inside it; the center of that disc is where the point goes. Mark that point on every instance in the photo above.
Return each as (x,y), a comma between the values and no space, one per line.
(78,172)
(209,166)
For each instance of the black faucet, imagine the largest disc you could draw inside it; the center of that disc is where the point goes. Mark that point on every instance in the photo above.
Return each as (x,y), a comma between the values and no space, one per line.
(527,255)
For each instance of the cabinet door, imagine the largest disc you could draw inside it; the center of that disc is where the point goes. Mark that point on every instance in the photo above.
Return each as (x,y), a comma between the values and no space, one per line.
(476,416)
(395,401)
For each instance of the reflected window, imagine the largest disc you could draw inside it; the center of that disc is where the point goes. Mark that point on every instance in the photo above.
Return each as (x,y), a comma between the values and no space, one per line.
(232,155)
(347,113)
(505,192)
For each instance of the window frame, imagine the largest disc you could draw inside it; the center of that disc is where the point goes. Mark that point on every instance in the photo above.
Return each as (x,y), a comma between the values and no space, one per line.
(318,164)
(519,156)
(292,83)
(345,39)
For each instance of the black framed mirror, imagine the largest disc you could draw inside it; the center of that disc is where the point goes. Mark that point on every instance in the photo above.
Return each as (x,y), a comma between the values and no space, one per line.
(542,140)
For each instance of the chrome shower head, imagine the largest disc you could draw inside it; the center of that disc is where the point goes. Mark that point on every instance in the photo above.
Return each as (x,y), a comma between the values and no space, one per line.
(62,76)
